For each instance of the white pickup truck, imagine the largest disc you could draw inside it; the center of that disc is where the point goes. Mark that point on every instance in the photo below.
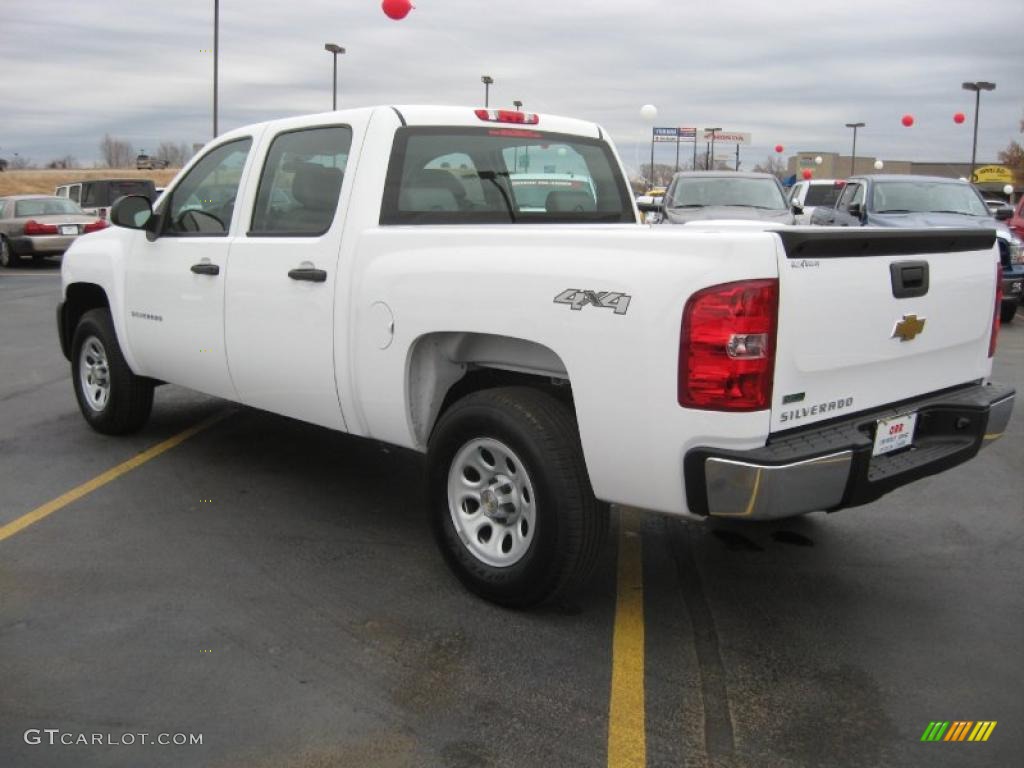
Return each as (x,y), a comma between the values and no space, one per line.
(374,271)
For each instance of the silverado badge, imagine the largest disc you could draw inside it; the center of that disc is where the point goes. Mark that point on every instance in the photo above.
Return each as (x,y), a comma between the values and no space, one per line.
(907,328)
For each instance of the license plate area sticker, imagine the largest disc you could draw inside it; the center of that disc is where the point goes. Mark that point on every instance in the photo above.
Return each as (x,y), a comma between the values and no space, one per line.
(893,434)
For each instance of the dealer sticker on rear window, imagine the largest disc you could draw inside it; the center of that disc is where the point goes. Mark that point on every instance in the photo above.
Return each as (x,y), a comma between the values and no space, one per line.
(893,434)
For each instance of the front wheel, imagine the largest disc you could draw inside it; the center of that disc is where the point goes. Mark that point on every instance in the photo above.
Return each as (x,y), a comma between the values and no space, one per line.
(510,498)
(112,399)
(1007,312)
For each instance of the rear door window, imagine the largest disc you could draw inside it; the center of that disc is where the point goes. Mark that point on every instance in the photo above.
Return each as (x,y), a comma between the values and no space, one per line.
(301,182)
(442,175)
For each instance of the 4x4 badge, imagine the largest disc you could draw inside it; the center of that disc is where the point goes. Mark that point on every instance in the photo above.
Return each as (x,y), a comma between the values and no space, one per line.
(577,299)
(907,328)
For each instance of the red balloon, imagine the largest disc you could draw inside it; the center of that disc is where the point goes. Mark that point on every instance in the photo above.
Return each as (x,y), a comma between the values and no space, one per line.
(779,148)
(396,9)
(959,117)
(908,120)
(808,173)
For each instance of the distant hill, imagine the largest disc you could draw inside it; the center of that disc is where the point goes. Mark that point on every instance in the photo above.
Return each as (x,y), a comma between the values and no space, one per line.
(43,182)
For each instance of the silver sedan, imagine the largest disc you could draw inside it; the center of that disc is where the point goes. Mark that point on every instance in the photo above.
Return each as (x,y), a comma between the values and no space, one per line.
(40,226)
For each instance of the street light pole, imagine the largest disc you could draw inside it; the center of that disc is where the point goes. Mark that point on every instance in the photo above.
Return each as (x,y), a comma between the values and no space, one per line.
(711,150)
(977,87)
(487,80)
(334,49)
(216,50)
(853,154)
(518,105)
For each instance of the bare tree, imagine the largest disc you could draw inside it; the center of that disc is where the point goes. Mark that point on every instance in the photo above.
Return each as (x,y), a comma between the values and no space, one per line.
(173,155)
(772,165)
(20,163)
(117,153)
(63,163)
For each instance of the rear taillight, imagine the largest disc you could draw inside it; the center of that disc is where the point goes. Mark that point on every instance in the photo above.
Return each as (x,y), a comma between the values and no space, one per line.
(95,226)
(33,227)
(727,346)
(507,116)
(995,313)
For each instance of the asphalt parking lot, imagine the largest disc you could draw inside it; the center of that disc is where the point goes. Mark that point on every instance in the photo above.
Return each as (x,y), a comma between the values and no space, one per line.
(274,587)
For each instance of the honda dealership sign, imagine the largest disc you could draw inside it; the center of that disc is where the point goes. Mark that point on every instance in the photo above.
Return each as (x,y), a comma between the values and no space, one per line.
(728,137)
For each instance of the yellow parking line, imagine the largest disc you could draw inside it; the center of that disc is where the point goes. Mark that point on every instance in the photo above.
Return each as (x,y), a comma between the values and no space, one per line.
(627,736)
(99,481)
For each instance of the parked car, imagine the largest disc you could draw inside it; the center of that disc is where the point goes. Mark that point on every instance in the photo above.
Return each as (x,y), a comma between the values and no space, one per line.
(547,362)
(532,190)
(40,226)
(999,208)
(891,200)
(144,162)
(811,193)
(705,195)
(95,196)
(1016,222)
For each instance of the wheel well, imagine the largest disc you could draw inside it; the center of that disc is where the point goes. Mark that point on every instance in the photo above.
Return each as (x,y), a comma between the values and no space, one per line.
(445,367)
(79,299)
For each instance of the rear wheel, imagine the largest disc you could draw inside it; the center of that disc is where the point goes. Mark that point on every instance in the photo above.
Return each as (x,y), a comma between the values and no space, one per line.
(7,258)
(112,399)
(510,498)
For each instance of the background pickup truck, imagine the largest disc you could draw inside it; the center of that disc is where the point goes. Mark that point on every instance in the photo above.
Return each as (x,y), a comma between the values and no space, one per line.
(928,201)
(379,271)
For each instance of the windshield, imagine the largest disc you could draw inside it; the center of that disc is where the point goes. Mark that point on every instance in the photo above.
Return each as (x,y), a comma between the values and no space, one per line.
(926,197)
(701,192)
(45,206)
(501,174)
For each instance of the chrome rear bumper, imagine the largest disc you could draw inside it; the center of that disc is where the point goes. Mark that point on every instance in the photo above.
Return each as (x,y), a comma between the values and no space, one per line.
(831,467)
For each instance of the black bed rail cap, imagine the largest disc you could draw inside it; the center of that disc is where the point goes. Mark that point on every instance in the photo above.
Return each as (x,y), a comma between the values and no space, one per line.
(831,243)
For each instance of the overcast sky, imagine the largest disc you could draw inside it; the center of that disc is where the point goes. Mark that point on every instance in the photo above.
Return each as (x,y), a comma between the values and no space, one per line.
(790,73)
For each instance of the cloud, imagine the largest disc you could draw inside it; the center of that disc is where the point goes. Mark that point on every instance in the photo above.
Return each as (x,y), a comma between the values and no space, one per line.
(788,72)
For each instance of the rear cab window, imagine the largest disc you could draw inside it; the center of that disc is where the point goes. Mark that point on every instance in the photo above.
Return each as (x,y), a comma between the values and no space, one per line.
(823,194)
(494,175)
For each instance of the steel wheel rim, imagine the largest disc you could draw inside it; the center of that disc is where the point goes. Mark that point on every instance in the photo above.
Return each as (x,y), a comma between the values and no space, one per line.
(94,374)
(491,502)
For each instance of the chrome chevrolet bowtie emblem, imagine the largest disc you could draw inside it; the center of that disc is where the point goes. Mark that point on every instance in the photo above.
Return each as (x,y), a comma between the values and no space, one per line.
(907,328)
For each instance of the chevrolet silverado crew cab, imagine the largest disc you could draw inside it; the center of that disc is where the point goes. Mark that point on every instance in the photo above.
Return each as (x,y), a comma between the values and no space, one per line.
(380,272)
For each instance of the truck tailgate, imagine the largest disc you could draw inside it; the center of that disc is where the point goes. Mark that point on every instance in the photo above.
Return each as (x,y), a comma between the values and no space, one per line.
(877,316)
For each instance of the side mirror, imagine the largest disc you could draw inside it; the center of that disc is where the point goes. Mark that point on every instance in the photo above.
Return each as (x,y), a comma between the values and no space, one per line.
(131,212)
(855,209)
(797,208)
(1003,214)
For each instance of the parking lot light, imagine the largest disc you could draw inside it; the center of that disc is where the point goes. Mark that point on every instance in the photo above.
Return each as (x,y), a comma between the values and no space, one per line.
(487,80)
(334,49)
(853,154)
(977,86)
(518,105)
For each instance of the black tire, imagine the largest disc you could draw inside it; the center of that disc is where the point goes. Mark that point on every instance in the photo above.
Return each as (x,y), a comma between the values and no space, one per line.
(128,399)
(1007,312)
(569,524)
(8,259)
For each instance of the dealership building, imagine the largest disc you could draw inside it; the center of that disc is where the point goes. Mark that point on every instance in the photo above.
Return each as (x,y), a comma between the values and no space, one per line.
(989,177)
